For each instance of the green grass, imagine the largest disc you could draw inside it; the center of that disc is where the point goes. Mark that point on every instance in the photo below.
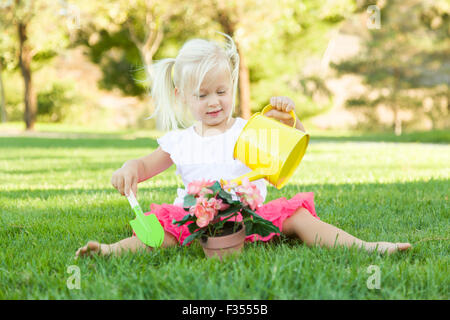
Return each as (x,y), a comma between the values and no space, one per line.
(55,195)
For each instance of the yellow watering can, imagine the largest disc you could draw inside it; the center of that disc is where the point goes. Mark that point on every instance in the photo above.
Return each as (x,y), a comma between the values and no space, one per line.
(270,148)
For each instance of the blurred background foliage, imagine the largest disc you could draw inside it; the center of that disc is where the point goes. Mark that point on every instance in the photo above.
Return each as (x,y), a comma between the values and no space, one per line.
(373,65)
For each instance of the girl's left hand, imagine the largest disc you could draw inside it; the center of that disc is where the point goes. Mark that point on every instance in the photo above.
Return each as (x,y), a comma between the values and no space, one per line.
(281,107)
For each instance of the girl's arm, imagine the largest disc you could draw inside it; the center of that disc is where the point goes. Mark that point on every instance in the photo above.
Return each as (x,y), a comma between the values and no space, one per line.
(138,170)
(151,164)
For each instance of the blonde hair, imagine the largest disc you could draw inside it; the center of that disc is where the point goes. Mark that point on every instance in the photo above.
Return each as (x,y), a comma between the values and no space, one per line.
(194,60)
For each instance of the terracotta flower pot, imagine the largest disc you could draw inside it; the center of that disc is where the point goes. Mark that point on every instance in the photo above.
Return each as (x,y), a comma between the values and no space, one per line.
(223,245)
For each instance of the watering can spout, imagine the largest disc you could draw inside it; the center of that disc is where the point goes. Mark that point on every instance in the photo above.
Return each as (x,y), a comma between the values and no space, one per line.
(253,175)
(274,161)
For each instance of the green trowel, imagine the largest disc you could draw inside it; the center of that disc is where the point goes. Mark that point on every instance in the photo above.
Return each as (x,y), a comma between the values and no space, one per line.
(147,228)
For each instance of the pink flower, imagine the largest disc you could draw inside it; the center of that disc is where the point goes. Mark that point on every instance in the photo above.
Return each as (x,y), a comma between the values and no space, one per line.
(249,194)
(229,185)
(211,205)
(203,219)
(200,187)
(204,215)
(205,210)
(221,205)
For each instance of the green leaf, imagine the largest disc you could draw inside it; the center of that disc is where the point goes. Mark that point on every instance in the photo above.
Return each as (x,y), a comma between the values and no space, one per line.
(193,236)
(226,196)
(258,225)
(189,200)
(185,219)
(219,225)
(249,212)
(232,209)
(215,187)
(248,227)
(192,227)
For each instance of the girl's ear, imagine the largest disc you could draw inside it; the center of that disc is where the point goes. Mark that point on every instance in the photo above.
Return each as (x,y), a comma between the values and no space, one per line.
(177,95)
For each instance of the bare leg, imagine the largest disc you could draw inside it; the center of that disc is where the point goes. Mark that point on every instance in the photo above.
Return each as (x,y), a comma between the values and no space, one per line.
(316,232)
(131,244)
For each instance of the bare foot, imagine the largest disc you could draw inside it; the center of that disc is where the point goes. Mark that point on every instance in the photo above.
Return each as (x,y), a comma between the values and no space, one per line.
(93,247)
(387,247)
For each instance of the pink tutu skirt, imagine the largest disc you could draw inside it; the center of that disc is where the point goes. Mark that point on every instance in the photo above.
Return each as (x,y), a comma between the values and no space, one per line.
(275,211)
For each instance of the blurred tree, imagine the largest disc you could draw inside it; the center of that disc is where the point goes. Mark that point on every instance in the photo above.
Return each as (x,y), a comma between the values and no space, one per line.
(146,23)
(408,51)
(286,57)
(274,40)
(116,56)
(136,28)
(39,36)
(55,104)
(2,96)
(436,18)
(7,58)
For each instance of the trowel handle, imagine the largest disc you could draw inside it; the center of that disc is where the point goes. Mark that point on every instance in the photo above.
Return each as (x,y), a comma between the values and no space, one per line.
(134,204)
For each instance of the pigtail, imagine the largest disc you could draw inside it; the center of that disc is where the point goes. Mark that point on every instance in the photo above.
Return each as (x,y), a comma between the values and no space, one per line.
(163,94)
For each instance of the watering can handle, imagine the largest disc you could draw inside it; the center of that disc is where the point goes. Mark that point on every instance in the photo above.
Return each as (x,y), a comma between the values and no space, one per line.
(270,107)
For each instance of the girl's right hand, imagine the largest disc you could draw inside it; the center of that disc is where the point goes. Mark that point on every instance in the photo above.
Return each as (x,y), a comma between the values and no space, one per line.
(126,178)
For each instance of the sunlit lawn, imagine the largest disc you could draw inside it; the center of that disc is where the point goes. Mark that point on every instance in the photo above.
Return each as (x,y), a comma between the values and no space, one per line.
(55,195)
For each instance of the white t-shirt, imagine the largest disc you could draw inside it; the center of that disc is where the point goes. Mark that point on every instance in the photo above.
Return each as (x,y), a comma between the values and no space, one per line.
(209,158)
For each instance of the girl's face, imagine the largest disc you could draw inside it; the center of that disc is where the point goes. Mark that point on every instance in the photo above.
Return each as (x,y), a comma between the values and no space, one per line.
(212,104)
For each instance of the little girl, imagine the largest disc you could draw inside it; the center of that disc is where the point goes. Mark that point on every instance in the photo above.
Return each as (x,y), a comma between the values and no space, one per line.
(202,91)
